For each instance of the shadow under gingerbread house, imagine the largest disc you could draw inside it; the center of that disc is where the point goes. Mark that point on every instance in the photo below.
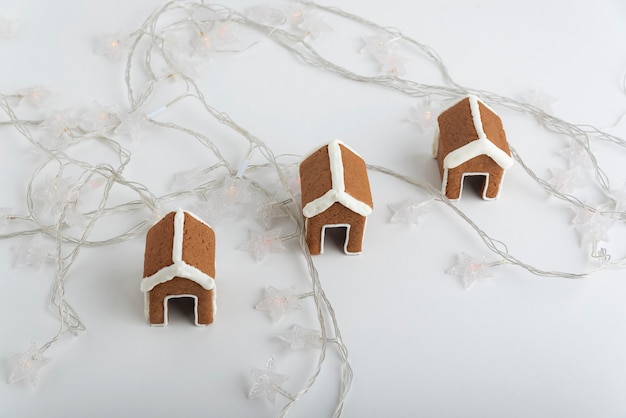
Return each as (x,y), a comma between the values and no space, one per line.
(335,194)
(471,142)
(179,262)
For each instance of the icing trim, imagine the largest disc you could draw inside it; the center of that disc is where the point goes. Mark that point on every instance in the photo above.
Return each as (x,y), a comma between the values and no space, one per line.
(480,146)
(337,193)
(146,309)
(485,187)
(345,244)
(177,247)
(195,309)
(178,269)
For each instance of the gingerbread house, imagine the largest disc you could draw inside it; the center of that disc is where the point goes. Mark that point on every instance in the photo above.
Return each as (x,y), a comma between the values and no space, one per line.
(179,263)
(335,194)
(471,142)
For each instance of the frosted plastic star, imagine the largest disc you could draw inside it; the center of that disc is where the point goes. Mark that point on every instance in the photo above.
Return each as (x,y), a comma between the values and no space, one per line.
(58,129)
(204,43)
(262,243)
(582,215)
(26,365)
(8,28)
(314,26)
(54,194)
(576,156)
(299,338)
(212,211)
(425,117)
(99,118)
(595,229)
(112,46)
(540,99)
(295,15)
(266,382)
(378,44)
(409,211)
(35,252)
(132,125)
(232,198)
(267,15)
(73,217)
(565,181)
(33,96)
(392,63)
(267,213)
(233,190)
(470,269)
(278,302)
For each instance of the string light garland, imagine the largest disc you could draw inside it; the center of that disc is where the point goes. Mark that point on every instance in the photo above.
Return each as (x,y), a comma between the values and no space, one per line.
(174,42)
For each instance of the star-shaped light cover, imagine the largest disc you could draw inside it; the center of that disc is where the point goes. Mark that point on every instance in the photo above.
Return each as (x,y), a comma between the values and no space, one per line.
(112,46)
(278,302)
(35,252)
(57,128)
(230,200)
(54,194)
(313,26)
(99,118)
(266,382)
(132,125)
(267,15)
(424,117)
(409,211)
(470,269)
(298,337)
(378,44)
(577,156)
(26,366)
(565,180)
(540,100)
(266,213)
(592,225)
(262,243)
(33,96)
(392,63)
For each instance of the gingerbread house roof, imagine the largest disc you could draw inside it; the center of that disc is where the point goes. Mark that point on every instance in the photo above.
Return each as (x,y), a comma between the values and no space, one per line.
(471,128)
(172,251)
(334,174)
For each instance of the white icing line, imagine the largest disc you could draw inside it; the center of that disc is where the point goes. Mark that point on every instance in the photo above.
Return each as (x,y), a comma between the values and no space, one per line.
(485,187)
(319,205)
(336,167)
(166,312)
(177,247)
(346,242)
(179,269)
(337,193)
(480,146)
(475,112)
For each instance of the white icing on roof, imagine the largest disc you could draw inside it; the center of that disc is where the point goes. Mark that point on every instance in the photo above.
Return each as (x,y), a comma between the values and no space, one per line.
(179,268)
(337,193)
(480,146)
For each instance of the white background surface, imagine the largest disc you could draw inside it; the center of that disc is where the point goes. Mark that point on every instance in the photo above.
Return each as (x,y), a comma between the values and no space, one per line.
(420,345)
